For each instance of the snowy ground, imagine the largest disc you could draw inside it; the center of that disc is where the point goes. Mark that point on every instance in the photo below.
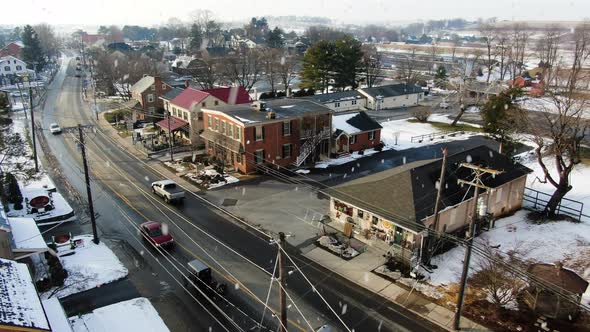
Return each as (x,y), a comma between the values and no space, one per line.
(546,104)
(133,315)
(397,135)
(550,242)
(89,265)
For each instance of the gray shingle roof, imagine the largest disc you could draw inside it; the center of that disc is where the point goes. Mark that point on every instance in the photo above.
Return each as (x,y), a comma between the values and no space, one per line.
(171,94)
(408,192)
(392,90)
(141,85)
(284,109)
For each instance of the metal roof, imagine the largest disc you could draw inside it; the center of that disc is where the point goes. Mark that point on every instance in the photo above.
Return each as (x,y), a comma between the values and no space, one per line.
(197,265)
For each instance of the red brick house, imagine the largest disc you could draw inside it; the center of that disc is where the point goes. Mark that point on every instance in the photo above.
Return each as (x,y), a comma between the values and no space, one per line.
(147,92)
(12,49)
(354,131)
(281,132)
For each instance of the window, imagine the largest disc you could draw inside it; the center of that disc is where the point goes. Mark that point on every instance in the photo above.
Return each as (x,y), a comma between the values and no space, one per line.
(204,104)
(375,220)
(259,157)
(238,133)
(19,68)
(407,96)
(287,128)
(151,109)
(239,158)
(163,86)
(185,116)
(360,214)
(209,121)
(230,130)
(337,104)
(217,124)
(352,139)
(354,102)
(153,88)
(259,133)
(6,68)
(217,103)
(223,127)
(150,98)
(371,135)
(286,151)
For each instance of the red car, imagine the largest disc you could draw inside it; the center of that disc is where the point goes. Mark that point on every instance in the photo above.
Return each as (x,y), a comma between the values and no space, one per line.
(152,231)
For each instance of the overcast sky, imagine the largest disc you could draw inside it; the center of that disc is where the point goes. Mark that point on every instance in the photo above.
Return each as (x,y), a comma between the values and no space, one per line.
(150,12)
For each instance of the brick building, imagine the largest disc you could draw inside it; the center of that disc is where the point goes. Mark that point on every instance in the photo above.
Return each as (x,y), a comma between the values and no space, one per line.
(282,132)
(147,92)
(354,131)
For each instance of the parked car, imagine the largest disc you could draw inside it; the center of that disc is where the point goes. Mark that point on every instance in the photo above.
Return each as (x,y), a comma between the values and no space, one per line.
(444,105)
(54,128)
(154,232)
(78,58)
(168,190)
(200,276)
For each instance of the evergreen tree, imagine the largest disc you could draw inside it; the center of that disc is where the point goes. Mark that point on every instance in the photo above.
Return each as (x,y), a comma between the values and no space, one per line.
(440,77)
(317,65)
(14,194)
(346,62)
(274,38)
(499,114)
(32,53)
(196,35)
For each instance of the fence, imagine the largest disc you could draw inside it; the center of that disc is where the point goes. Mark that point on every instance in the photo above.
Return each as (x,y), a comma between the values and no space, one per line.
(433,136)
(537,200)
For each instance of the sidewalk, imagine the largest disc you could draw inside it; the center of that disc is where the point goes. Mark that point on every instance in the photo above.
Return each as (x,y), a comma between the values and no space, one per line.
(132,149)
(358,270)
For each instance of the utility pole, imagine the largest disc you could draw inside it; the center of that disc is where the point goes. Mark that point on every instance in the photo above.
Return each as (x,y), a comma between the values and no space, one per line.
(33,128)
(478,172)
(170,139)
(87,178)
(282,281)
(437,205)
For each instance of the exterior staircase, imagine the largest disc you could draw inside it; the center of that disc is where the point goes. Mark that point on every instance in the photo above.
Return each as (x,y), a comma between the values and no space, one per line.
(310,145)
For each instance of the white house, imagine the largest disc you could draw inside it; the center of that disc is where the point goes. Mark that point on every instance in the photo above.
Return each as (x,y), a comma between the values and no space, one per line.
(342,101)
(10,65)
(392,96)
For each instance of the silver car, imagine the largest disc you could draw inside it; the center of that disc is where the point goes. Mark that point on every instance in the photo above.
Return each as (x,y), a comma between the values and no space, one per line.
(55,129)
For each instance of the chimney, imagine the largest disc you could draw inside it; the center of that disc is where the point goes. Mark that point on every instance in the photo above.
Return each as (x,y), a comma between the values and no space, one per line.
(259,106)
(558,267)
(271,115)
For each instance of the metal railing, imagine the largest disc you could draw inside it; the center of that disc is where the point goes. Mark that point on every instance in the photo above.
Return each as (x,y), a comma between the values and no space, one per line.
(433,136)
(310,144)
(537,200)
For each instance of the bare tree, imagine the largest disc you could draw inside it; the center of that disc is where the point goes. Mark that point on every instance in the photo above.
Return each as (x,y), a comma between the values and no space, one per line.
(433,53)
(456,40)
(408,68)
(47,39)
(547,50)
(244,69)
(519,42)
(562,124)
(371,65)
(287,70)
(500,284)
(207,71)
(488,35)
(502,52)
(465,70)
(271,59)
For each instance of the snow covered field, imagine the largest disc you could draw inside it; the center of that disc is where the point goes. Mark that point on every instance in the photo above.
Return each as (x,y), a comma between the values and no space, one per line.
(133,315)
(397,135)
(89,265)
(549,242)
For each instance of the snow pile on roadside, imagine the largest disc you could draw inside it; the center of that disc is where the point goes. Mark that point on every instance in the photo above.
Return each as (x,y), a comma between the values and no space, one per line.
(89,265)
(402,131)
(211,179)
(178,167)
(133,315)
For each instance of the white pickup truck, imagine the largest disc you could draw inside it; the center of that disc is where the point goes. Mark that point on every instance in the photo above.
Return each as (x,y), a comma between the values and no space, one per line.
(168,190)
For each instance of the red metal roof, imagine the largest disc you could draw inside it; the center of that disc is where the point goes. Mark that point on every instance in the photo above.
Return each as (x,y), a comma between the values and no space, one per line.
(175,124)
(187,98)
(12,49)
(231,95)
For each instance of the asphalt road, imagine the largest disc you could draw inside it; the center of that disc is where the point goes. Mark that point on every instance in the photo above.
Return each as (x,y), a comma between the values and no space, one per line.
(120,184)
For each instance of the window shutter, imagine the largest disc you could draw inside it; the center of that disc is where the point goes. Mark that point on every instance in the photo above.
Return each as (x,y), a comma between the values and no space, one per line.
(291,127)
(263,132)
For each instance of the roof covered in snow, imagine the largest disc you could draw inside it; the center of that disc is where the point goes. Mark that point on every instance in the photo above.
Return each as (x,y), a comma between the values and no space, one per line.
(26,235)
(392,90)
(407,191)
(337,96)
(143,84)
(20,305)
(354,123)
(57,317)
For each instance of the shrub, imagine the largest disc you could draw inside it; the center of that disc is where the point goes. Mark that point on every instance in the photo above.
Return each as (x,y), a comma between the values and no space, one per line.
(14,194)
(422,115)
(117,115)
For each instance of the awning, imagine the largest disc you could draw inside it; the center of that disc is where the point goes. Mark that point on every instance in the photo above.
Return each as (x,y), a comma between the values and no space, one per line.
(175,124)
